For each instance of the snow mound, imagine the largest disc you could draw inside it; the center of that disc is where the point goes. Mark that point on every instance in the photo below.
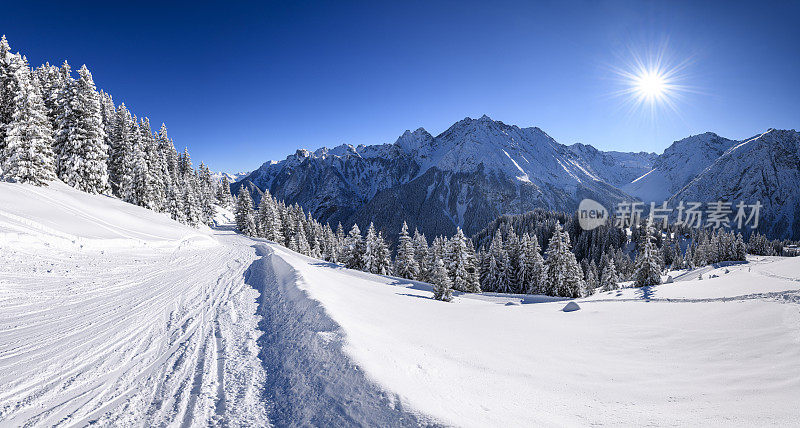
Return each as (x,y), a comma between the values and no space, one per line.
(58,215)
(571,307)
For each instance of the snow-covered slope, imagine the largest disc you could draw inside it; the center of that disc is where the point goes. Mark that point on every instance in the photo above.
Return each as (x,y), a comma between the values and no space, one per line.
(680,163)
(711,352)
(466,176)
(123,321)
(764,168)
(114,315)
(61,215)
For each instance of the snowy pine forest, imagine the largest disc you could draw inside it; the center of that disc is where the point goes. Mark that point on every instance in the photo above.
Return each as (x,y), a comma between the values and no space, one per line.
(56,124)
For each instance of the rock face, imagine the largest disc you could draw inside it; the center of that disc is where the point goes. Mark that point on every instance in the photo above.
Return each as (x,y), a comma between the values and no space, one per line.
(473,172)
(764,168)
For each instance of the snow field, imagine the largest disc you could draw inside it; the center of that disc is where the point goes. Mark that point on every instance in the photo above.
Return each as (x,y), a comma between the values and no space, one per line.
(726,353)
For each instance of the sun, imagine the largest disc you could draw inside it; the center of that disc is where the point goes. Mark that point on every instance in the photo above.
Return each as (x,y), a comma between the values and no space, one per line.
(653,81)
(650,85)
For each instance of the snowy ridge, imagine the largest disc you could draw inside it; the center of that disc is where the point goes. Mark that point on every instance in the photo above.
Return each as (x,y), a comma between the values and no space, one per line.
(474,171)
(764,168)
(680,163)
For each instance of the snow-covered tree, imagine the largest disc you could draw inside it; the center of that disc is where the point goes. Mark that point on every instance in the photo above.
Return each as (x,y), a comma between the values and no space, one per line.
(244,213)
(27,155)
(224,198)
(609,279)
(81,137)
(537,272)
(421,255)
(353,251)
(376,257)
(8,88)
(406,265)
(647,270)
(564,276)
(460,264)
(442,285)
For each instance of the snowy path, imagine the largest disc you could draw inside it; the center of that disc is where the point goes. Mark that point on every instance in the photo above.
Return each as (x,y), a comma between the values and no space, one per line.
(127,337)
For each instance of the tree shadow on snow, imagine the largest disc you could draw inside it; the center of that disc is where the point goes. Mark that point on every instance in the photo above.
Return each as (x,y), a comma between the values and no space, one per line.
(646,293)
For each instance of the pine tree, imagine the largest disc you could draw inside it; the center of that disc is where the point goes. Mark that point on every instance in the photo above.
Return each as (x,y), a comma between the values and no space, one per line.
(499,275)
(592,278)
(460,265)
(421,255)
(406,265)
(27,155)
(224,198)
(537,270)
(175,203)
(609,279)
(192,207)
(376,257)
(244,213)
(383,257)
(8,89)
(647,271)
(80,137)
(564,276)
(442,285)
(353,251)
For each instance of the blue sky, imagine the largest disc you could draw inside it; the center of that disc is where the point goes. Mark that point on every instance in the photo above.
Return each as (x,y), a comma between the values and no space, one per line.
(241,83)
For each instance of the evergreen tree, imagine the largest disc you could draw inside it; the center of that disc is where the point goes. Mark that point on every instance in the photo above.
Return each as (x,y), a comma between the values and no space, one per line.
(27,155)
(442,285)
(8,89)
(421,256)
(81,138)
(175,203)
(406,265)
(192,209)
(245,221)
(224,198)
(354,250)
(536,270)
(460,265)
(647,270)
(564,276)
(609,279)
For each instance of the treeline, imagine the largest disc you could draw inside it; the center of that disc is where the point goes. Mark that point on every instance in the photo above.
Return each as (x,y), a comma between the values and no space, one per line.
(54,124)
(506,262)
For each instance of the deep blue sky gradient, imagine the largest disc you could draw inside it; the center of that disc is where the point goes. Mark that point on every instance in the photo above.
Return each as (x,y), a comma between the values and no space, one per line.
(241,83)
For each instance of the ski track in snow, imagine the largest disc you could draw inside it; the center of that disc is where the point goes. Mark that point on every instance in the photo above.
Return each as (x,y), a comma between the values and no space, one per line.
(111,337)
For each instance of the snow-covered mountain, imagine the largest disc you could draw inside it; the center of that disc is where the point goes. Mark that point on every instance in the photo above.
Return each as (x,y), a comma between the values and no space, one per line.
(232,177)
(466,176)
(764,168)
(680,163)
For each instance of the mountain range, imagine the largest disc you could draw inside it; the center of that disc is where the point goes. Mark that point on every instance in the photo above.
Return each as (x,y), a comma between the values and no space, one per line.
(479,169)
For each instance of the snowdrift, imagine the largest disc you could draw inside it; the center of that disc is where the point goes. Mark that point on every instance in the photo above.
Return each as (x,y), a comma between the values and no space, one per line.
(58,215)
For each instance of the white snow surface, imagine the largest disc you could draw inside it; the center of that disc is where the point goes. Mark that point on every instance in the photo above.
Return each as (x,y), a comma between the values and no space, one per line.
(717,351)
(167,325)
(58,215)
